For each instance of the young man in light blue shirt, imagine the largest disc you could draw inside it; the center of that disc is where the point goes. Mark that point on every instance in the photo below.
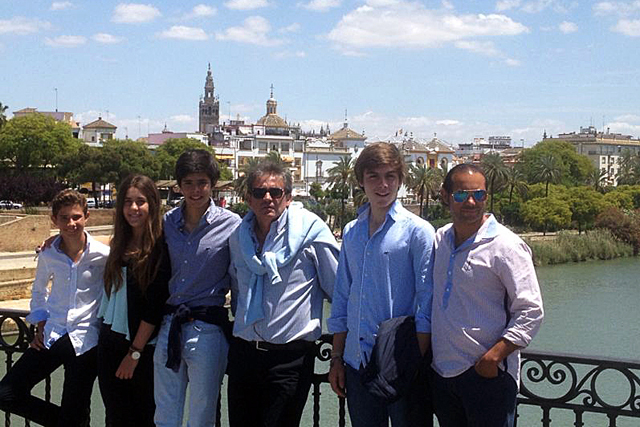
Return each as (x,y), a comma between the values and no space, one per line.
(66,319)
(192,347)
(384,272)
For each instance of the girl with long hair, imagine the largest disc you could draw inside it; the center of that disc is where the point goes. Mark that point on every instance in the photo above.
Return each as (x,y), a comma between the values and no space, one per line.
(136,288)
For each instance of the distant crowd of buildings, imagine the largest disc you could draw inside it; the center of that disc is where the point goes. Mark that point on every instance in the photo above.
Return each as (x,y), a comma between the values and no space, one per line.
(310,154)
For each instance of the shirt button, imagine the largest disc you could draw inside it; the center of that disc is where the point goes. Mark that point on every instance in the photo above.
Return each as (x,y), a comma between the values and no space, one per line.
(185,261)
(448,272)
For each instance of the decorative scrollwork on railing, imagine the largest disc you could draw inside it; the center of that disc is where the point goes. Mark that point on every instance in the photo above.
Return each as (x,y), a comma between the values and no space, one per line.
(15,332)
(584,382)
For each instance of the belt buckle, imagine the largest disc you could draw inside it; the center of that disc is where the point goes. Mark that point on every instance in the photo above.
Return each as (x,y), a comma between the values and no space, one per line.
(260,348)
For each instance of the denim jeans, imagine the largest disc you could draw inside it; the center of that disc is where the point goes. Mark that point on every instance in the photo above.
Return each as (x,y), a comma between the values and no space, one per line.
(204,361)
(470,400)
(367,410)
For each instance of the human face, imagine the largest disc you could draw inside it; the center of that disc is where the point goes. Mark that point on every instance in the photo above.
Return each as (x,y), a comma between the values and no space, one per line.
(196,188)
(268,209)
(471,211)
(70,220)
(135,209)
(381,186)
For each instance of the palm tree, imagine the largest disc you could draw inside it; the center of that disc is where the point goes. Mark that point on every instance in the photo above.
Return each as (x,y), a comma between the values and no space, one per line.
(515,180)
(240,183)
(341,178)
(547,170)
(495,171)
(3,117)
(275,157)
(595,178)
(425,182)
(629,172)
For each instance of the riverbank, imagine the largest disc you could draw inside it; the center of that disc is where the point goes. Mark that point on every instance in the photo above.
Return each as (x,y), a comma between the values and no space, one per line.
(570,247)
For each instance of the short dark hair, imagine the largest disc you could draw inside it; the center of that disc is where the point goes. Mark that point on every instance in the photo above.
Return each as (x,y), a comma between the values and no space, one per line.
(197,161)
(447,184)
(377,154)
(269,167)
(68,197)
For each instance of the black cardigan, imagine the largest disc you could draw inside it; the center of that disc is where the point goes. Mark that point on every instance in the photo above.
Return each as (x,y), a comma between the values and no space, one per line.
(149,306)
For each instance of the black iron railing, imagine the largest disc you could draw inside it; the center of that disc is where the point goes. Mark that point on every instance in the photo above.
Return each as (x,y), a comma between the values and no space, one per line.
(552,382)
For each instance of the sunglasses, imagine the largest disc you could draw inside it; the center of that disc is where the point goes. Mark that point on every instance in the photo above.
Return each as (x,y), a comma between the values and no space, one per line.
(462,196)
(274,192)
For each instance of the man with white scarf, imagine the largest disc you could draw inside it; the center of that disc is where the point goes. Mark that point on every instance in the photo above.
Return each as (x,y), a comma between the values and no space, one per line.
(283,265)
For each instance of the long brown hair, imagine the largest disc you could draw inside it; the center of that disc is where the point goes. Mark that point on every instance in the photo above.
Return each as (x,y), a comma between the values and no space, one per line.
(145,258)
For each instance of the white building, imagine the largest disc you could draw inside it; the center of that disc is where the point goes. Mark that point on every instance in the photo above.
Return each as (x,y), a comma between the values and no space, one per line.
(98,131)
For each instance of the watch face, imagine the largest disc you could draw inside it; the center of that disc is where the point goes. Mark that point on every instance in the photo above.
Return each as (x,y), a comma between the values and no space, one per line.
(135,355)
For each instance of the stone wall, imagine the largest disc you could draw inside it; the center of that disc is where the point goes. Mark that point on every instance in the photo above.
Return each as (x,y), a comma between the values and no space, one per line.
(24,232)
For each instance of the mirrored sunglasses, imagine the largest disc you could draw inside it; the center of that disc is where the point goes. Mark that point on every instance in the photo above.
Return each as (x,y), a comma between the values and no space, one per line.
(274,192)
(461,196)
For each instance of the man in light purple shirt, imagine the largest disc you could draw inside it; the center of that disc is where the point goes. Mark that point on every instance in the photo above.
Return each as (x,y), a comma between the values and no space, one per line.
(486,307)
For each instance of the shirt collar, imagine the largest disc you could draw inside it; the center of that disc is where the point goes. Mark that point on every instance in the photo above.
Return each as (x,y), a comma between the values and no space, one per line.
(393,212)
(208,215)
(487,231)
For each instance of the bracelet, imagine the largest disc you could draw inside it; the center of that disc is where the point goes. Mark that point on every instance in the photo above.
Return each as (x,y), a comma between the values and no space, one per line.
(335,353)
(132,349)
(336,359)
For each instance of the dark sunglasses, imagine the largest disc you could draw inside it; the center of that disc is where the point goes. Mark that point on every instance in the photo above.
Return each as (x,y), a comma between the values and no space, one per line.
(461,196)
(274,192)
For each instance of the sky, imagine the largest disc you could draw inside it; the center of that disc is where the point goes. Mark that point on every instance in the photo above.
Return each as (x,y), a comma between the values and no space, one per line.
(456,69)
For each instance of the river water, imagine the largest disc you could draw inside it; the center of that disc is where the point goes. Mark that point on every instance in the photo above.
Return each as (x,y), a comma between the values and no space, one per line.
(591,309)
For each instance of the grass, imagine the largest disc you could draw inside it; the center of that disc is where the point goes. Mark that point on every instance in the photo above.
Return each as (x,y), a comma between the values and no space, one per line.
(598,244)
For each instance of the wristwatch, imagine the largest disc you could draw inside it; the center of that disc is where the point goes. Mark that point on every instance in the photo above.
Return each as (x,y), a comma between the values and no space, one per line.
(135,353)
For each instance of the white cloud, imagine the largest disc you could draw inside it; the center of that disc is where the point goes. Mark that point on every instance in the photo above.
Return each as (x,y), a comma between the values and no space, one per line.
(246,4)
(512,62)
(483,48)
(255,30)
(503,5)
(293,28)
(448,122)
(568,27)
(320,5)
(616,8)
(21,26)
(182,32)
(289,54)
(410,25)
(105,38)
(65,41)
(201,11)
(60,5)
(628,118)
(182,118)
(628,27)
(134,13)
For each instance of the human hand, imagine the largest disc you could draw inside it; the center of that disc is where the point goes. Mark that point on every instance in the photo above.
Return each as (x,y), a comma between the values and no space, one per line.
(486,368)
(126,368)
(38,340)
(46,244)
(337,378)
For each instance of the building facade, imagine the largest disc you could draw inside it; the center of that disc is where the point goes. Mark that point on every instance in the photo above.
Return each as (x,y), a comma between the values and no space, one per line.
(209,107)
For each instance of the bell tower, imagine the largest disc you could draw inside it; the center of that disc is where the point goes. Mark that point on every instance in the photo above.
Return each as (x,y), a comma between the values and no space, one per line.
(209,116)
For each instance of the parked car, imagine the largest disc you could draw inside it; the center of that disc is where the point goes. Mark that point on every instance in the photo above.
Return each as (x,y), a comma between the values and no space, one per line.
(175,202)
(91,203)
(8,204)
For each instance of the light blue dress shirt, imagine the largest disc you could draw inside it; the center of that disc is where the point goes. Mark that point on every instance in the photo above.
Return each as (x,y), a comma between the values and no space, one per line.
(293,307)
(381,277)
(200,259)
(71,306)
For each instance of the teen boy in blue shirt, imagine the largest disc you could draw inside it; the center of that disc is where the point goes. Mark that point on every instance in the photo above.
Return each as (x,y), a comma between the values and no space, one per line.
(384,272)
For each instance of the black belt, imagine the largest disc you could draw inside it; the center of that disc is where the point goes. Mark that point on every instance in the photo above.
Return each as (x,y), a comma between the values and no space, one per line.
(298,345)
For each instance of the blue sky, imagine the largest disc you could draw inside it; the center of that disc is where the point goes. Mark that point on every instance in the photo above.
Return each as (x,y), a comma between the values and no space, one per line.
(461,69)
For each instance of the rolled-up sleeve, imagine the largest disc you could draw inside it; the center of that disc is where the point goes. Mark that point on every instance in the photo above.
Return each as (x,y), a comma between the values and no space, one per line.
(338,320)
(39,293)
(422,259)
(518,275)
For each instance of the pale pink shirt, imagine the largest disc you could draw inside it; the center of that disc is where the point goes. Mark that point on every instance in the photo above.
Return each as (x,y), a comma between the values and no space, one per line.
(484,290)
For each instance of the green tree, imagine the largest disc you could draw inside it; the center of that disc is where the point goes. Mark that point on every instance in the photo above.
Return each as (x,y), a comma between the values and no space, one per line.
(35,141)
(629,172)
(168,153)
(543,212)
(240,184)
(547,169)
(133,157)
(90,164)
(585,203)
(574,167)
(496,173)
(3,116)
(315,191)
(515,181)
(342,179)
(596,177)
(425,183)
(619,199)
(275,157)
(625,226)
